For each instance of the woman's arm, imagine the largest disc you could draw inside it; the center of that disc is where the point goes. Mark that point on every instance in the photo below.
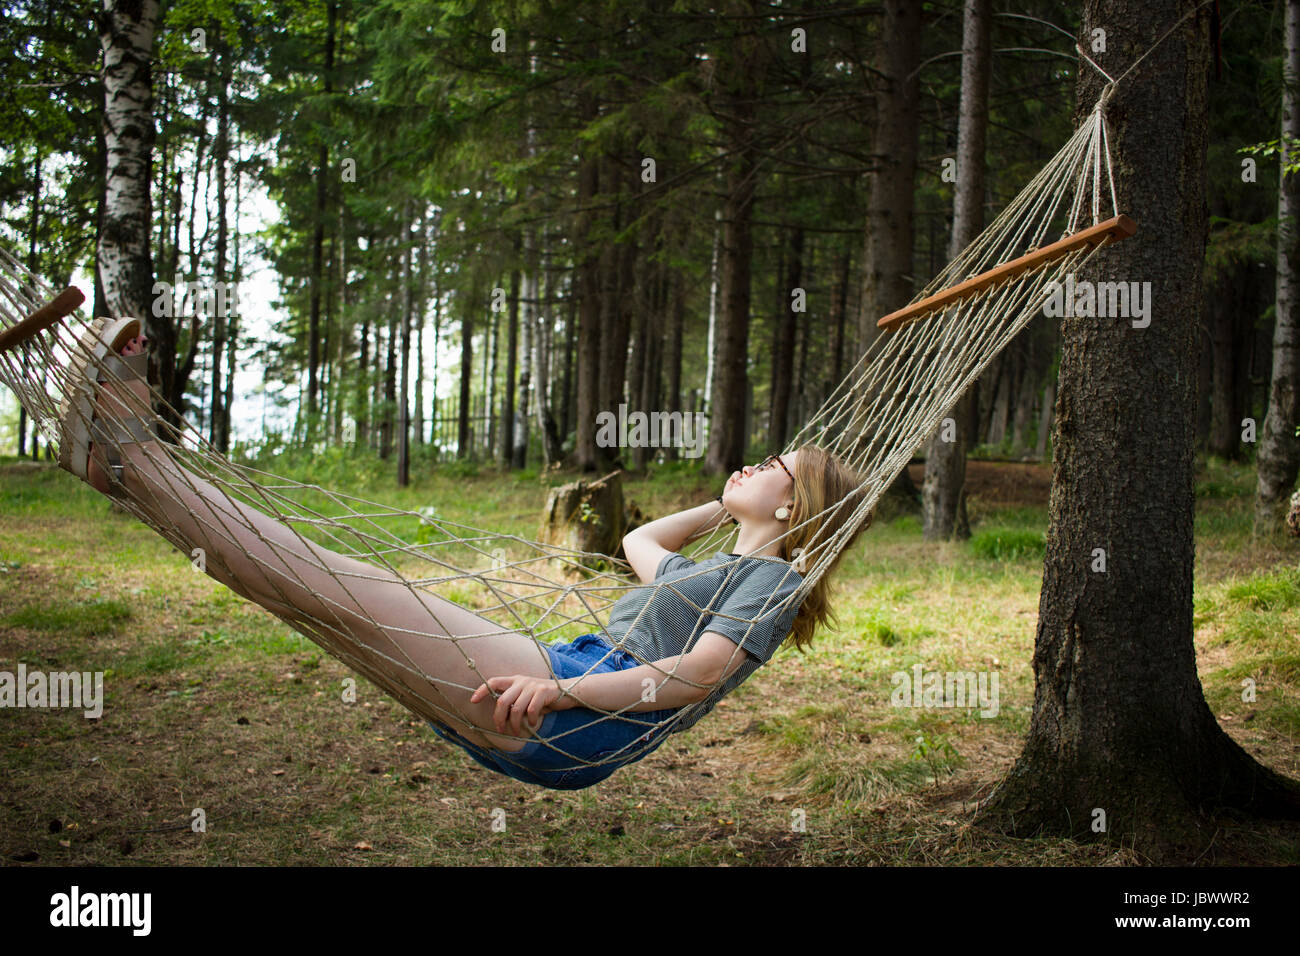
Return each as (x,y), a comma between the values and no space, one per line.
(525,698)
(662,685)
(646,546)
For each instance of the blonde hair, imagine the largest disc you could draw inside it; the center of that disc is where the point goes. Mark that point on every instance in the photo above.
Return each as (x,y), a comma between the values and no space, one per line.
(826,493)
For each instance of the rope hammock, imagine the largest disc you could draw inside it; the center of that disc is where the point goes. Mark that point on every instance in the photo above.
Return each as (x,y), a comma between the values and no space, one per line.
(919,363)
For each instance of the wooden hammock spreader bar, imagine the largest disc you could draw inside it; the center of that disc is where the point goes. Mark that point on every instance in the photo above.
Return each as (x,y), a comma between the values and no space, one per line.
(1121,227)
(61,306)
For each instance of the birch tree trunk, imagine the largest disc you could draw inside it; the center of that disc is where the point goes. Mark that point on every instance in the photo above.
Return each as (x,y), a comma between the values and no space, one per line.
(417,431)
(123,256)
(1279,448)
(712,358)
(217,422)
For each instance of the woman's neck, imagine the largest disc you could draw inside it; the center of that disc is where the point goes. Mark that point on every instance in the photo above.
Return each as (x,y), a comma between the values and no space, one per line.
(760,536)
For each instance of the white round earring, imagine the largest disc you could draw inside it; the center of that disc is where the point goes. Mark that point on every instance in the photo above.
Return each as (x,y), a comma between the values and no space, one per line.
(782,513)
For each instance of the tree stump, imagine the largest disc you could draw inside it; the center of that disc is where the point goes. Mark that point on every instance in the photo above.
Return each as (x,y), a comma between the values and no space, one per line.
(587,516)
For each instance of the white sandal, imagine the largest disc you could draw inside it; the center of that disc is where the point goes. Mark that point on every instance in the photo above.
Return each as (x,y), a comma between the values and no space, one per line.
(101,348)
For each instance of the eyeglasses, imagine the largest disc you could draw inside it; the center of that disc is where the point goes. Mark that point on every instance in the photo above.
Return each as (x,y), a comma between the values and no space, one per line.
(767,462)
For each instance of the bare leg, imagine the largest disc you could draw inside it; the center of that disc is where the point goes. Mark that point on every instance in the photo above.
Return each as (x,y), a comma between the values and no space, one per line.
(406,629)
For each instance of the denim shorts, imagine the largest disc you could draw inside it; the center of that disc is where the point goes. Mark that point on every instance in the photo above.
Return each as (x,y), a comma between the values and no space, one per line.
(577,747)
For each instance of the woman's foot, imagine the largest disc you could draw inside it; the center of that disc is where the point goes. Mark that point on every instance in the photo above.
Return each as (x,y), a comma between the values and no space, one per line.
(111,404)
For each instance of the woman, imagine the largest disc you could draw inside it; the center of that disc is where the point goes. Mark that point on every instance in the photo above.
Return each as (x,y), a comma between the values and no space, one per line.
(563,716)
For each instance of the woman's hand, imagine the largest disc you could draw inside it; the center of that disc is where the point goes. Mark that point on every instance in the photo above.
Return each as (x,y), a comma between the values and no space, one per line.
(523,697)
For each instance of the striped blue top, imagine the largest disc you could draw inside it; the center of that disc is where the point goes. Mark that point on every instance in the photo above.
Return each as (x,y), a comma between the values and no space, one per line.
(745,599)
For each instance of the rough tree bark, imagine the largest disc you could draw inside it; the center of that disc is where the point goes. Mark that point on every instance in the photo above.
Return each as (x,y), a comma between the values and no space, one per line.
(886,282)
(1223,311)
(783,342)
(727,432)
(1120,726)
(586,454)
(586,516)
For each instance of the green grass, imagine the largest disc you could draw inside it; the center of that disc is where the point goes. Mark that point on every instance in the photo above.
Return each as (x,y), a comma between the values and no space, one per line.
(85,619)
(1008,544)
(1275,591)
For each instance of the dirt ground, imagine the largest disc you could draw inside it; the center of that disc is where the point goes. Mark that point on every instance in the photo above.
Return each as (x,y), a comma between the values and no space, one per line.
(1010,484)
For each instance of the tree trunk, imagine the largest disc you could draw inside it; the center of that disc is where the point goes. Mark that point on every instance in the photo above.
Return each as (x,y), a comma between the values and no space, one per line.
(463,434)
(318,236)
(1001,408)
(1026,390)
(637,385)
(232,338)
(711,348)
(512,352)
(783,343)
(619,304)
(887,248)
(805,403)
(417,429)
(586,454)
(123,256)
(33,226)
(217,424)
(528,287)
(491,350)
(544,376)
(391,339)
(570,340)
(839,312)
(728,435)
(363,387)
(1279,447)
(586,516)
(1204,376)
(943,495)
(437,333)
(1122,746)
(673,358)
(652,306)
(1045,419)
(403,401)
